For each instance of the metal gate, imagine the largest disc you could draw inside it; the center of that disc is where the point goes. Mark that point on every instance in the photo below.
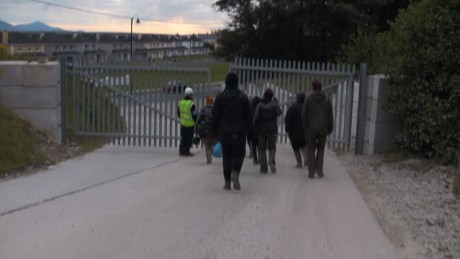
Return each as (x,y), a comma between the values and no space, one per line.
(286,78)
(134,105)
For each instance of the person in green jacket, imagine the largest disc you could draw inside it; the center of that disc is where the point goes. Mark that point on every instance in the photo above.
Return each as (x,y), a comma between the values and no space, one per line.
(317,117)
(187,114)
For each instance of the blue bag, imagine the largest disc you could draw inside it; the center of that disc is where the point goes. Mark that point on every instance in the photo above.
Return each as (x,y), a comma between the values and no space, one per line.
(217,150)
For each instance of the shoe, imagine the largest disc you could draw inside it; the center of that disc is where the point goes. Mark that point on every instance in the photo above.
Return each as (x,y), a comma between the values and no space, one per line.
(298,166)
(181,153)
(188,154)
(320,174)
(235,180)
(311,176)
(272,167)
(227,186)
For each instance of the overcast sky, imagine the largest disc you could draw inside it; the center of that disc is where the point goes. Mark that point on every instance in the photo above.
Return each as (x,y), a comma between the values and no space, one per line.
(156,16)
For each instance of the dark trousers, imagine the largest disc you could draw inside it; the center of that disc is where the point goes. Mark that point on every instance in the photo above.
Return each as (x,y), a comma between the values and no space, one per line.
(255,147)
(186,137)
(232,158)
(315,152)
(267,142)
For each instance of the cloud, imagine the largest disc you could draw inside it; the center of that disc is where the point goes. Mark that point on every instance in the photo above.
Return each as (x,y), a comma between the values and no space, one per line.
(157,16)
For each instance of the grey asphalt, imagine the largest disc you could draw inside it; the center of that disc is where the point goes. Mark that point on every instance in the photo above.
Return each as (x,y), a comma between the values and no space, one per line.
(145,202)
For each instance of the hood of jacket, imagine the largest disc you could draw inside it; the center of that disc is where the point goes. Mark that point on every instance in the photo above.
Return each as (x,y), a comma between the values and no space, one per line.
(230,92)
(318,96)
(267,104)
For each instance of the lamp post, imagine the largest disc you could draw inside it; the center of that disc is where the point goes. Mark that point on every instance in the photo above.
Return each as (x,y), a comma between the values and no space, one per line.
(131,53)
(137,22)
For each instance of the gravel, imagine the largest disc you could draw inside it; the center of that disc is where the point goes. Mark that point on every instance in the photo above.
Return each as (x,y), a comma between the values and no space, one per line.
(413,201)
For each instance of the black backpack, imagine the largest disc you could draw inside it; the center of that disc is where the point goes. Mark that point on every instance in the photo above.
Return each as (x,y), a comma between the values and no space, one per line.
(203,128)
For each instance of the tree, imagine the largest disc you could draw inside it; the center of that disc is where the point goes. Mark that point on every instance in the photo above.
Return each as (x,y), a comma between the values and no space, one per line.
(310,30)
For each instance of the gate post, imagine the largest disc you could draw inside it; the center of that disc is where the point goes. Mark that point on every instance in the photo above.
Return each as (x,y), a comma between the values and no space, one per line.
(361,120)
(63,62)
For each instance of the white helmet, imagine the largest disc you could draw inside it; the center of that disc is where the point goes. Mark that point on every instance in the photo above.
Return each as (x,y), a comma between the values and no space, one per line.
(188,91)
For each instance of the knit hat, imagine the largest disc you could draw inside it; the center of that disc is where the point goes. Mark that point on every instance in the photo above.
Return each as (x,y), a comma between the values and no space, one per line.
(209,100)
(231,81)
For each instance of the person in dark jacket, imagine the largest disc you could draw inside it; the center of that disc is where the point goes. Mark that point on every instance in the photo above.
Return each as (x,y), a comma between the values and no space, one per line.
(317,117)
(265,120)
(255,142)
(186,112)
(296,131)
(232,123)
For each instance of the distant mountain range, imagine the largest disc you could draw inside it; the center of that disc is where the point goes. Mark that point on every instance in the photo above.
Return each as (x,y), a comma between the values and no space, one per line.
(31,27)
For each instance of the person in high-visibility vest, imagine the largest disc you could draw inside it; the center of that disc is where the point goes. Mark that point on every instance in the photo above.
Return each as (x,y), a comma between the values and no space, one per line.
(186,111)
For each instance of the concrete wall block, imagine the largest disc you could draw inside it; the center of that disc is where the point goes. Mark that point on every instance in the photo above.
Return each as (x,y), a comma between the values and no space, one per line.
(12,73)
(20,97)
(44,119)
(37,74)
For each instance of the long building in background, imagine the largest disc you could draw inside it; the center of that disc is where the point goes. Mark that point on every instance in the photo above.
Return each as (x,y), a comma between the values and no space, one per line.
(94,48)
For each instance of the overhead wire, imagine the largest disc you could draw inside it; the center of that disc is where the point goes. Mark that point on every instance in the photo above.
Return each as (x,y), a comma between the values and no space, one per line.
(115,15)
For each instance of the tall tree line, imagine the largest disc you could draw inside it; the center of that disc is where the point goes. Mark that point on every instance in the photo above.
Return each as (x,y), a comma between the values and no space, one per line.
(312,30)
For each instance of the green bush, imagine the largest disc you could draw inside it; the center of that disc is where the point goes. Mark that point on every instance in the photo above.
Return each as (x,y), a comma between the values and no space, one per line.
(421,55)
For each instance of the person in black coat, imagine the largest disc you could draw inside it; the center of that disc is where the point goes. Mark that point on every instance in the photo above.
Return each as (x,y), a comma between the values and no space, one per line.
(232,123)
(296,132)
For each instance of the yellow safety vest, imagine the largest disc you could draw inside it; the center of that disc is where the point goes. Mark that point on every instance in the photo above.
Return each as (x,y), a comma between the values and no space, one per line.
(186,119)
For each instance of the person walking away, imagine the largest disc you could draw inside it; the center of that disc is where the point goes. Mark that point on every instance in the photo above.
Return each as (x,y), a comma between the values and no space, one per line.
(296,131)
(232,123)
(203,128)
(317,117)
(186,112)
(255,141)
(265,120)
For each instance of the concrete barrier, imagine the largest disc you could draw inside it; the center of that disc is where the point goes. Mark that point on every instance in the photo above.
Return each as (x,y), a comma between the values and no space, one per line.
(380,125)
(32,91)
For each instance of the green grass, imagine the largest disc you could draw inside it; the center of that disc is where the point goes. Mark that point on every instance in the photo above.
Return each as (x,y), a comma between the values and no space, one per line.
(17,145)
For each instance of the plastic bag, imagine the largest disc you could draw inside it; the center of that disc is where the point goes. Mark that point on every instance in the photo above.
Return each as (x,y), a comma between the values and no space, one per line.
(217,151)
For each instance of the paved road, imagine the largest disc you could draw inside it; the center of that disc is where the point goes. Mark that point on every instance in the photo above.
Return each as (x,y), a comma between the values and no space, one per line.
(136,202)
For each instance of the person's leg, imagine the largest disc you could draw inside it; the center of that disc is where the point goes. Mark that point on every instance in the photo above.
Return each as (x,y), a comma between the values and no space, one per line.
(303,150)
(250,148)
(320,145)
(298,156)
(311,148)
(263,153)
(255,148)
(207,149)
(272,151)
(238,153)
(227,165)
(181,143)
(188,138)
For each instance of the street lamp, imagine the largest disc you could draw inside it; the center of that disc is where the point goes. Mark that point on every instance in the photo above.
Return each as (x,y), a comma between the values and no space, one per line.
(137,21)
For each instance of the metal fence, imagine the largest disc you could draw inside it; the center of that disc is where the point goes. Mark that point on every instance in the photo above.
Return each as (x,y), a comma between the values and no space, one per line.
(133,105)
(286,78)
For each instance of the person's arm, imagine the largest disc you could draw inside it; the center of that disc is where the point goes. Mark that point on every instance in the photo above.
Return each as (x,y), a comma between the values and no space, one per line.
(178,109)
(305,113)
(287,120)
(330,114)
(193,111)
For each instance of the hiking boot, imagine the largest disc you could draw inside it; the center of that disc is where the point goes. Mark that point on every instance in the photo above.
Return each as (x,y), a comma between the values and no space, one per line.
(235,180)
(227,186)
(298,158)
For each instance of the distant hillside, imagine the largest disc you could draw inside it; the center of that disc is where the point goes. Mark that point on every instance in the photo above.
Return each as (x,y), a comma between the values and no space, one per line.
(35,26)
